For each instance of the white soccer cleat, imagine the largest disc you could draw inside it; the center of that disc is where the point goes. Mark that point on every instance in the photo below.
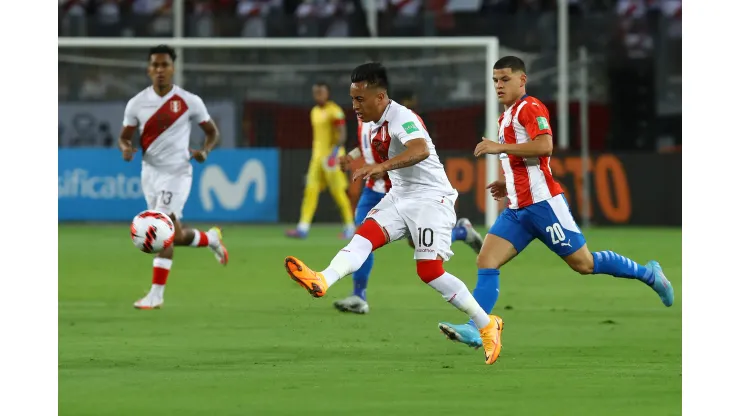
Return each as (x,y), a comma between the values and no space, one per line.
(219,249)
(354,304)
(473,238)
(150,301)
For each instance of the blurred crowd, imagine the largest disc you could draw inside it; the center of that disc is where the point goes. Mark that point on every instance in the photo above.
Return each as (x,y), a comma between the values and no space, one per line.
(340,18)
(634,47)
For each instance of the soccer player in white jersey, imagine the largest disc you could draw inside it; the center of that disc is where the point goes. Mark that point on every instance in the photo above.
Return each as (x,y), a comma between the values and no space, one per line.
(163,113)
(420,201)
(372,193)
(537,207)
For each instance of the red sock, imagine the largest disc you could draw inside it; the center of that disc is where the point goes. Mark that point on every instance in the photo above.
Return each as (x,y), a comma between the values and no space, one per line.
(161,271)
(200,239)
(373,232)
(203,241)
(429,270)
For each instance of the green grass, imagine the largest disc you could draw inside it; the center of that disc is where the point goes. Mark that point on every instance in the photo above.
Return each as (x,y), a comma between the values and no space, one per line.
(247,340)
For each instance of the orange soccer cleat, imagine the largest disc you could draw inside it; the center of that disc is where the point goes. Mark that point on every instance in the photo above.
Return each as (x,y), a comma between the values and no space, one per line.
(491,337)
(309,279)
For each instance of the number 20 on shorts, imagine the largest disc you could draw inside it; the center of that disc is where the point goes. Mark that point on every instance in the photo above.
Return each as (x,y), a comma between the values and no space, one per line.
(556,233)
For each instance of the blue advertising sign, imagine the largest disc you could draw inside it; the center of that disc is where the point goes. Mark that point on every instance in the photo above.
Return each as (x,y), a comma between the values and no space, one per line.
(232,185)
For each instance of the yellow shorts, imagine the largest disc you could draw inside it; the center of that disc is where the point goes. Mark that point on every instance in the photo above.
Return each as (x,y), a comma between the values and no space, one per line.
(318,175)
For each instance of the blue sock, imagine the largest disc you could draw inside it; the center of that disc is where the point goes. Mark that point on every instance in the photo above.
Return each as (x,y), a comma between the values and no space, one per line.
(486,290)
(361,276)
(459,233)
(611,263)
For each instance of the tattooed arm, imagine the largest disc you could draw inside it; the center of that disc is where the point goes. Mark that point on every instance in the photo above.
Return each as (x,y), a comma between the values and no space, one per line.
(416,151)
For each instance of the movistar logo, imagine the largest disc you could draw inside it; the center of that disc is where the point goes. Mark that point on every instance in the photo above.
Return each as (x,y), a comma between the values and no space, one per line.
(231,195)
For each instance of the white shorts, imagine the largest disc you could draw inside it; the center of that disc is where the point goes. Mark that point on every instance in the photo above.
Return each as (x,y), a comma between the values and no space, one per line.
(429,220)
(166,191)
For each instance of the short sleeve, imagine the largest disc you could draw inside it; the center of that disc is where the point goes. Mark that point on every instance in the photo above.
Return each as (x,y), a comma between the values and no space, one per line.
(406,127)
(338,116)
(199,112)
(129,114)
(536,119)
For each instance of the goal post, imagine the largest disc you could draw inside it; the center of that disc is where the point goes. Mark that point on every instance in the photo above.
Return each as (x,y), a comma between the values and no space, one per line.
(482,53)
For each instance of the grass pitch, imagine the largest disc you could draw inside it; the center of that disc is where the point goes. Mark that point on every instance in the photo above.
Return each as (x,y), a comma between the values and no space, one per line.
(247,340)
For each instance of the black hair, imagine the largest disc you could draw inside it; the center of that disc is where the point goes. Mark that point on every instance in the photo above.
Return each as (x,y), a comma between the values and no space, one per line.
(512,62)
(373,73)
(323,84)
(162,49)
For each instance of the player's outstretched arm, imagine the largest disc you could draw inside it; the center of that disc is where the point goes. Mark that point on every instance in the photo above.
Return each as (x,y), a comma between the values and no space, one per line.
(416,151)
(539,146)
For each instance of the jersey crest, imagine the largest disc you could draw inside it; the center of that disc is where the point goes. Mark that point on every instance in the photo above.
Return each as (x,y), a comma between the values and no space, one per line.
(175,105)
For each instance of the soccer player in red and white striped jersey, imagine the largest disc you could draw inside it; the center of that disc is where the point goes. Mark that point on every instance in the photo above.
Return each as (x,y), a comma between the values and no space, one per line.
(537,208)
(163,113)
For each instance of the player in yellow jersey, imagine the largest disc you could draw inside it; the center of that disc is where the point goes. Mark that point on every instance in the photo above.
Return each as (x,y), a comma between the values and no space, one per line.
(329,135)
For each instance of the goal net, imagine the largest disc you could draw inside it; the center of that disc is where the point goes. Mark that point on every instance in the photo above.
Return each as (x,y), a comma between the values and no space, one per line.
(259,93)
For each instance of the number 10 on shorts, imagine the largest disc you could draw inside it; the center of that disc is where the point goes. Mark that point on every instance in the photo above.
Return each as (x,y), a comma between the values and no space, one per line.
(426,237)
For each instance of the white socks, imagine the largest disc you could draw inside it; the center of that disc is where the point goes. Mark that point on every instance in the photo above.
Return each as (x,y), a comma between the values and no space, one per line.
(455,292)
(348,260)
(157,290)
(196,239)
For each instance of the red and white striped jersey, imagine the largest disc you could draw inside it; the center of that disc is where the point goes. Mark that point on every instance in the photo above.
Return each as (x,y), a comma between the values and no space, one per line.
(528,180)
(371,157)
(164,125)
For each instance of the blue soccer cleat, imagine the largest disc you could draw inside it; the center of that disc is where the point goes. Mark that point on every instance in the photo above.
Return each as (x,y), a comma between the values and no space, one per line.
(661,285)
(466,333)
(296,233)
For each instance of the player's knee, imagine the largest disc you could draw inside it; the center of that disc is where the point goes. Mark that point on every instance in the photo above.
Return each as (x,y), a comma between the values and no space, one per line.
(312,186)
(179,232)
(583,264)
(429,270)
(338,191)
(373,232)
(487,262)
(583,268)
(167,253)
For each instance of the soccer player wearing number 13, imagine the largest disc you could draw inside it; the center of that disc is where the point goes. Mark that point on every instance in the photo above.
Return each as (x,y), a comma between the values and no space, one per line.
(421,202)
(537,207)
(163,113)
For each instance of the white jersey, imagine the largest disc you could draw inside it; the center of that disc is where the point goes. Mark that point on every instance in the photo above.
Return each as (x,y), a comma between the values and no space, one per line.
(164,126)
(389,135)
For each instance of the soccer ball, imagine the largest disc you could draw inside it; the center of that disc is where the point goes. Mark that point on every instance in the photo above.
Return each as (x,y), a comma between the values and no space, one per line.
(152,231)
